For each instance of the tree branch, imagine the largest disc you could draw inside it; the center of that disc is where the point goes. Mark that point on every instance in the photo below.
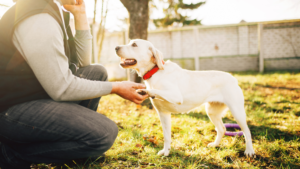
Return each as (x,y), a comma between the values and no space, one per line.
(4,5)
(189,6)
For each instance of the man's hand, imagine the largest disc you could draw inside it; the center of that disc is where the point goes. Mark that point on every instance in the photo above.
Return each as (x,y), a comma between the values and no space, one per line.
(127,90)
(78,10)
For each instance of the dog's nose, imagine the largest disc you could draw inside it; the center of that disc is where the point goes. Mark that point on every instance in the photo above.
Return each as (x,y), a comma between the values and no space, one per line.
(117,48)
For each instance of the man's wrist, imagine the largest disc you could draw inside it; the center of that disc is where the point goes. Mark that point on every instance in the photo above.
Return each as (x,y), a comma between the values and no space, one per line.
(80,14)
(81,22)
(115,87)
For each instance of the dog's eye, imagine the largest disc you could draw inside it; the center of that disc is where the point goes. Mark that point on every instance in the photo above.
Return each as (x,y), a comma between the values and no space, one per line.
(134,45)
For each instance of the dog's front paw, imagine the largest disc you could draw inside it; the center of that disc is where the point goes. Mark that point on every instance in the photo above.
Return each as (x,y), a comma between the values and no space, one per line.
(144,92)
(164,152)
(213,144)
(249,152)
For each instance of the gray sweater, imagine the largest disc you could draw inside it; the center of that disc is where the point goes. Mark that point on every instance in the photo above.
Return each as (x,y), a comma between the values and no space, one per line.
(39,39)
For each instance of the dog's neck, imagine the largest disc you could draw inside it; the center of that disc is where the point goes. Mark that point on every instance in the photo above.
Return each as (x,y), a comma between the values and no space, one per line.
(142,71)
(147,72)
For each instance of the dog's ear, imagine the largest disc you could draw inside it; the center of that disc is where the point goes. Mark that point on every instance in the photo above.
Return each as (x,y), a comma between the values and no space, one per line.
(157,57)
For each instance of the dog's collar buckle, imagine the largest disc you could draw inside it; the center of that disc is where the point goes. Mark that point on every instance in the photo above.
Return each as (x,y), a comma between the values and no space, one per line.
(151,72)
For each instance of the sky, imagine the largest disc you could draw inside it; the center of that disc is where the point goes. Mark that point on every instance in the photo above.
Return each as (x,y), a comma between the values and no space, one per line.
(214,12)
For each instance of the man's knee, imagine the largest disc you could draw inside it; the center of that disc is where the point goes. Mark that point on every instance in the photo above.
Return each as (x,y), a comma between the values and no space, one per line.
(107,140)
(113,135)
(101,71)
(93,72)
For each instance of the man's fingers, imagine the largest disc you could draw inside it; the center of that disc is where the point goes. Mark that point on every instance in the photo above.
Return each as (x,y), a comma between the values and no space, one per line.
(139,86)
(145,97)
(68,7)
(80,2)
(142,97)
(138,101)
(72,2)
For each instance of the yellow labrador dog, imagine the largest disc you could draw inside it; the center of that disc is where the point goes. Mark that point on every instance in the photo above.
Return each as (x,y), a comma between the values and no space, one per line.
(177,90)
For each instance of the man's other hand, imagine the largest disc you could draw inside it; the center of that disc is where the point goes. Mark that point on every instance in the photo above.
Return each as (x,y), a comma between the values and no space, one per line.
(76,9)
(127,90)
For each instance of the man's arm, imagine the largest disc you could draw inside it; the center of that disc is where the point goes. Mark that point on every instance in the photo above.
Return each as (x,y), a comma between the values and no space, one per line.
(83,42)
(83,37)
(78,10)
(40,41)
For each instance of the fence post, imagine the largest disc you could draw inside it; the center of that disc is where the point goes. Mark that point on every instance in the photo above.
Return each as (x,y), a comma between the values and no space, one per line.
(243,44)
(196,58)
(259,46)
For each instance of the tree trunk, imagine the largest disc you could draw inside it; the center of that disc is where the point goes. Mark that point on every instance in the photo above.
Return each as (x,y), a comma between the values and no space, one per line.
(138,17)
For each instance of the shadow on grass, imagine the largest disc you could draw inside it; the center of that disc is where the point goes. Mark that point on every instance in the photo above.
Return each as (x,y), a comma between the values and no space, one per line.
(184,160)
(193,160)
(133,156)
(261,161)
(164,161)
(277,87)
(202,116)
(270,132)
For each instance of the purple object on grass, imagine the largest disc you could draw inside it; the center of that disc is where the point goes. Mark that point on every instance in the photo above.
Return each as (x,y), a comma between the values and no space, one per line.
(228,133)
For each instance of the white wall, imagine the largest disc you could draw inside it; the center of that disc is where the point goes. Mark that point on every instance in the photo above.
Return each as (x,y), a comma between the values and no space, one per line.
(223,47)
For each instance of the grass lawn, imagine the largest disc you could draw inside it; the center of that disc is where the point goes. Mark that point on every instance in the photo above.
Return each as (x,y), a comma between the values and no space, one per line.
(272,103)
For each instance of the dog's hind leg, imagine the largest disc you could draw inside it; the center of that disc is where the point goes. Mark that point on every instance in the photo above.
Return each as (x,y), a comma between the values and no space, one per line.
(165,119)
(239,114)
(215,111)
(235,102)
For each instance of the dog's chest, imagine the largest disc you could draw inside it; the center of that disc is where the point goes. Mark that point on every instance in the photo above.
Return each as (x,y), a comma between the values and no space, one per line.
(165,106)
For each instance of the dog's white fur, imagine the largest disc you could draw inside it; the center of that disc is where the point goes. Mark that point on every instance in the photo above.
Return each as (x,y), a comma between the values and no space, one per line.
(177,90)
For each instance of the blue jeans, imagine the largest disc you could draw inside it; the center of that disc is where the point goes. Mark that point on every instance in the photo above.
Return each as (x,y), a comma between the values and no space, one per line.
(46,131)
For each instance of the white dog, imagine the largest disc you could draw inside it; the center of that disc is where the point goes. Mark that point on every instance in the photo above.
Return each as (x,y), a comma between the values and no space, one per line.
(177,90)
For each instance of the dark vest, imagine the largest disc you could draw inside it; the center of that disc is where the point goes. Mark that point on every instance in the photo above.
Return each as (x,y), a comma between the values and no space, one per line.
(18,83)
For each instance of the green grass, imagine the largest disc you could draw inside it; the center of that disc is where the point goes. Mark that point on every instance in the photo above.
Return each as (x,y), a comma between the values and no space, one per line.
(272,103)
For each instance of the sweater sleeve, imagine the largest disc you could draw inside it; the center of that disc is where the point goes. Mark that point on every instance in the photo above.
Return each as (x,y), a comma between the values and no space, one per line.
(39,39)
(83,42)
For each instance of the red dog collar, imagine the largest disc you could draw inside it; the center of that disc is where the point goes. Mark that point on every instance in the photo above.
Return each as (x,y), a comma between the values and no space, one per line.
(151,72)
